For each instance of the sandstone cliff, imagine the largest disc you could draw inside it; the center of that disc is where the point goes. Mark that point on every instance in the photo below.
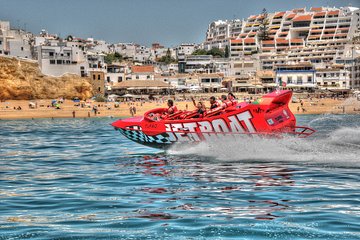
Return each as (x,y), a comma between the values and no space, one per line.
(22,80)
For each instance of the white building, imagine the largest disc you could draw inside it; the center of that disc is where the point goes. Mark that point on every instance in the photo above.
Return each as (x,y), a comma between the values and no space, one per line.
(297,76)
(15,42)
(57,60)
(317,35)
(196,63)
(146,72)
(335,77)
(127,50)
(185,49)
(115,74)
(217,35)
(210,82)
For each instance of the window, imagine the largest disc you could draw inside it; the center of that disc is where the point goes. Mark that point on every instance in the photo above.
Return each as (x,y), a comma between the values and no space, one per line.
(94,77)
(59,62)
(52,61)
(51,54)
(119,79)
(137,77)
(108,79)
(301,24)
(22,48)
(148,77)
(309,79)
(68,54)
(99,89)
(289,80)
(98,76)
(299,80)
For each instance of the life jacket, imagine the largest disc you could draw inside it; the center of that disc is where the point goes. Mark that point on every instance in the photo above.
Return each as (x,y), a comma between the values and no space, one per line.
(226,104)
(172,110)
(214,105)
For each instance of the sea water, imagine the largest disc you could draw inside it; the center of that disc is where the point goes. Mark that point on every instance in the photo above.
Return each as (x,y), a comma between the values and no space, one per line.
(80,179)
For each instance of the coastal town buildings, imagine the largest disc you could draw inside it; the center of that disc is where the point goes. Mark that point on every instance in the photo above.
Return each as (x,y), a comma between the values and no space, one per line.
(56,59)
(97,80)
(354,71)
(316,35)
(296,76)
(204,64)
(145,72)
(211,82)
(305,48)
(15,42)
(220,32)
(333,77)
(319,35)
(196,63)
(184,49)
(115,73)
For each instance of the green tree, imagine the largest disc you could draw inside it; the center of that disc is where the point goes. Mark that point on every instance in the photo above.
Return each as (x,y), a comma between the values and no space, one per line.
(200,52)
(227,52)
(263,32)
(118,57)
(69,38)
(167,58)
(216,52)
(113,57)
(109,58)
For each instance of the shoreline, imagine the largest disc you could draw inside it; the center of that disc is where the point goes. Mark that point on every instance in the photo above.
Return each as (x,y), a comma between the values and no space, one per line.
(69,110)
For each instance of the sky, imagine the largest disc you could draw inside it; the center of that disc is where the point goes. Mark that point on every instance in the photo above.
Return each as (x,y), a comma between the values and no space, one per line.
(169,22)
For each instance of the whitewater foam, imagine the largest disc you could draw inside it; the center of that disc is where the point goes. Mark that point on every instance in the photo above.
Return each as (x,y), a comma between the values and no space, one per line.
(341,146)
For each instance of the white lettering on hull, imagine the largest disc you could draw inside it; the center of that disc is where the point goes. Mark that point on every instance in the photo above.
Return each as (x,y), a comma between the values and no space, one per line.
(196,131)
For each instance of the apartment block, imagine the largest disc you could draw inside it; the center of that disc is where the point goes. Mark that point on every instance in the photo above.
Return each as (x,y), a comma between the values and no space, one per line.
(15,42)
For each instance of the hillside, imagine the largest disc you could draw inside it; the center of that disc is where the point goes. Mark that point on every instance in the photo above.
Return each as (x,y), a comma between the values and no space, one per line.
(22,80)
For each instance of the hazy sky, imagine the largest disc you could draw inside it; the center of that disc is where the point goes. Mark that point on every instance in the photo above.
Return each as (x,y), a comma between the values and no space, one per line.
(169,22)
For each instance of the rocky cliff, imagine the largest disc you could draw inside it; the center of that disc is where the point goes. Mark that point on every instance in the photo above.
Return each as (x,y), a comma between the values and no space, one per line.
(22,80)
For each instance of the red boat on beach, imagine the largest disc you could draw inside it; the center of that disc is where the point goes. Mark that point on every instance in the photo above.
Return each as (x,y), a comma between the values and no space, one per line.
(269,116)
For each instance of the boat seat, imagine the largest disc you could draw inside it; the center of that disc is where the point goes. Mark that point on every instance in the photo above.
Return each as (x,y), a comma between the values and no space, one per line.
(174,115)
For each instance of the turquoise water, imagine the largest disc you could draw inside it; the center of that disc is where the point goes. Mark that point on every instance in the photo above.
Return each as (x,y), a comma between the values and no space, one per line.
(80,179)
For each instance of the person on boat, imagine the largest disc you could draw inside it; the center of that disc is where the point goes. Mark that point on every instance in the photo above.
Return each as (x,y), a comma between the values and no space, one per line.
(232,98)
(200,107)
(225,102)
(213,103)
(171,107)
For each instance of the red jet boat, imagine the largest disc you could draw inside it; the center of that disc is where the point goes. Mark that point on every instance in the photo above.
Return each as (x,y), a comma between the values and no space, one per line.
(269,116)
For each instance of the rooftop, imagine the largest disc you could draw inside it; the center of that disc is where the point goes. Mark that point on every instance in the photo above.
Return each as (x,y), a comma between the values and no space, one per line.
(143,69)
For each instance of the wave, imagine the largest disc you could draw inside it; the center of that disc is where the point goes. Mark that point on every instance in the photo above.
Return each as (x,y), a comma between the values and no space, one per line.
(341,146)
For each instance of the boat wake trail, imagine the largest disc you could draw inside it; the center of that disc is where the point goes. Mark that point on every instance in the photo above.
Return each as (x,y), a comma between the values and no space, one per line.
(340,147)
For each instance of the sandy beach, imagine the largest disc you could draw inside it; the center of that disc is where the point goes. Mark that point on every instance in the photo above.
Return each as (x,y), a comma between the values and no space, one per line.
(20,109)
